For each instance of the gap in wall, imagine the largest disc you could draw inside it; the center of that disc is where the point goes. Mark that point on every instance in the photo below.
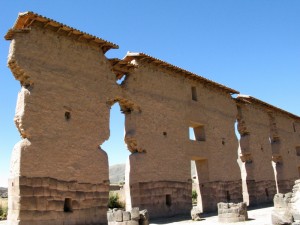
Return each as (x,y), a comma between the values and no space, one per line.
(241,165)
(115,146)
(196,186)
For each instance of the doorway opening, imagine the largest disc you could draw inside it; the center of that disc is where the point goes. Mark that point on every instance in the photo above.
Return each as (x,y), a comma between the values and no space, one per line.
(200,176)
(118,154)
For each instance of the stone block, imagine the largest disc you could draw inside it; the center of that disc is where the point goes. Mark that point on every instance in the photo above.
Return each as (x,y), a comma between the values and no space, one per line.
(144,217)
(195,214)
(126,216)
(110,216)
(28,203)
(118,215)
(26,191)
(135,213)
(230,212)
(131,222)
(38,191)
(36,182)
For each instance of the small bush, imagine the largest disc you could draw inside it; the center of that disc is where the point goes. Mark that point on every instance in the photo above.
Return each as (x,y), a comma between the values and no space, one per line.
(114,201)
(3,212)
(194,196)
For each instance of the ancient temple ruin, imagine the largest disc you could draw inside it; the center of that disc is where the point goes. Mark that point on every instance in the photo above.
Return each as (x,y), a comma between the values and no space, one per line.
(58,171)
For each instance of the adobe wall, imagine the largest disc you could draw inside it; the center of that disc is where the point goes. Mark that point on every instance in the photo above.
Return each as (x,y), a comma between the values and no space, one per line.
(58,171)
(267,136)
(63,117)
(167,112)
(285,148)
(256,152)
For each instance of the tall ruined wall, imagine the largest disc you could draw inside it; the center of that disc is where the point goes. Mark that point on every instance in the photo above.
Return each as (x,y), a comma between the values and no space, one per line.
(63,117)
(219,174)
(160,168)
(167,113)
(256,152)
(59,174)
(285,147)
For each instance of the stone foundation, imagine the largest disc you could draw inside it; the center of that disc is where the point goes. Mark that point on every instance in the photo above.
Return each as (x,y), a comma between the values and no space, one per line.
(265,191)
(162,198)
(44,200)
(285,186)
(261,192)
(231,213)
(220,191)
(134,217)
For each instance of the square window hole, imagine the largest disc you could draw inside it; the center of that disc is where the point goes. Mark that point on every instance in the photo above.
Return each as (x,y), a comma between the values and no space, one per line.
(194,94)
(197,133)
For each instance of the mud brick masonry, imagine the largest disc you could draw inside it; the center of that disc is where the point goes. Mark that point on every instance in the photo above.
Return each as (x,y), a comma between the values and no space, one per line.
(59,174)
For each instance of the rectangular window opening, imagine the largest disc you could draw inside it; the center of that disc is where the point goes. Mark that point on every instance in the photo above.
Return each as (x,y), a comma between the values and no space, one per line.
(197,133)
(228,196)
(294,127)
(68,205)
(168,200)
(194,94)
(298,150)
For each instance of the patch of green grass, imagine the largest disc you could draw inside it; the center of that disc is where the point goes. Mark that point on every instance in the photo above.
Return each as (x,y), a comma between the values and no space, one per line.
(3,208)
(114,201)
(194,196)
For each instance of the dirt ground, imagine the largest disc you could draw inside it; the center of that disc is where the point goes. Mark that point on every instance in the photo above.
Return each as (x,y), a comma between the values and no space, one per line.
(257,216)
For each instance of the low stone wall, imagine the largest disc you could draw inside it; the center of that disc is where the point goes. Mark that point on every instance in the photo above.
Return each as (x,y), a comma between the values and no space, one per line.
(231,212)
(134,217)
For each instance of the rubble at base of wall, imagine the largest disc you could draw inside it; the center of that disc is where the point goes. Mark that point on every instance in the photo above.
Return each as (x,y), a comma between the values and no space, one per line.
(231,212)
(195,213)
(122,217)
(281,214)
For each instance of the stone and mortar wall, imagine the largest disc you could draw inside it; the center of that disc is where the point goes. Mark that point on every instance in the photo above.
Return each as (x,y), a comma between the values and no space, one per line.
(153,196)
(43,201)
(63,117)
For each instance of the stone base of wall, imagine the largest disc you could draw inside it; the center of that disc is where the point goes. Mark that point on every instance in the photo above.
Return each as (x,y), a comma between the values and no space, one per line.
(261,192)
(265,191)
(220,191)
(285,186)
(162,198)
(47,201)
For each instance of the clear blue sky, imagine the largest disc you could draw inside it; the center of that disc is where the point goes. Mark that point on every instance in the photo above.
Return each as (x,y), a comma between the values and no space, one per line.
(251,46)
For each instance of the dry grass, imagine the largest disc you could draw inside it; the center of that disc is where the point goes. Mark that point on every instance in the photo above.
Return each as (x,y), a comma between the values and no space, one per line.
(3,208)
(3,202)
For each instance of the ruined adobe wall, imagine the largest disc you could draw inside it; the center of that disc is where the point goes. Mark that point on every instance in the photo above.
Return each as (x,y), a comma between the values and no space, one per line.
(63,117)
(167,112)
(287,171)
(256,152)
(159,168)
(220,179)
